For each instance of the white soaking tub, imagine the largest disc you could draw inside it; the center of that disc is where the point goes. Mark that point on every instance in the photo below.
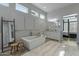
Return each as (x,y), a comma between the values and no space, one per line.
(31,42)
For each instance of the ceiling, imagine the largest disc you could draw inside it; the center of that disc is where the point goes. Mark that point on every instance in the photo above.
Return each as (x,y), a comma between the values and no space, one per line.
(48,7)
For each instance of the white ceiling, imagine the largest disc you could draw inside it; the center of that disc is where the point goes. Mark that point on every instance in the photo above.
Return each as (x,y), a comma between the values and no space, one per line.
(48,7)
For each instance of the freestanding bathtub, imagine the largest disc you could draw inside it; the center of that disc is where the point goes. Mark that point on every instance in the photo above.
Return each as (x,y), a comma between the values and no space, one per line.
(31,42)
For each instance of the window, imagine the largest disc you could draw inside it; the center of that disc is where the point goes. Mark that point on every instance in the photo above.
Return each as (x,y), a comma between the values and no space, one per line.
(34,13)
(21,8)
(5,4)
(70,19)
(73,27)
(42,16)
(65,19)
(70,23)
(65,27)
(73,18)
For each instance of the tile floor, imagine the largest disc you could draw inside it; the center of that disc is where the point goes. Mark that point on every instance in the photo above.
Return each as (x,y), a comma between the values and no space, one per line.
(51,48)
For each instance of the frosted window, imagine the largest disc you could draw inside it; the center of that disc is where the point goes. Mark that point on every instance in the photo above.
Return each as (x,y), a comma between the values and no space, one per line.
(34,13)
(42,16)
(65,20)
(5,4)
(65,27)
(73,19)
(21,8)
(73,27)
(72,23)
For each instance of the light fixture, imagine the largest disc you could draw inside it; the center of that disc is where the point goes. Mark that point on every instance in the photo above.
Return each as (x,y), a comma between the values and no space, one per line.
(53,20)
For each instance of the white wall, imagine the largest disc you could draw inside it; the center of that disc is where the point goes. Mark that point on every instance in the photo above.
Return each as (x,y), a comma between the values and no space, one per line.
(25,23)
(31,23)
(4,11)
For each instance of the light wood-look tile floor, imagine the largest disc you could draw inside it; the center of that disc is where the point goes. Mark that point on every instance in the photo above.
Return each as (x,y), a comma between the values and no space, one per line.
(54,48)
(47,49)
